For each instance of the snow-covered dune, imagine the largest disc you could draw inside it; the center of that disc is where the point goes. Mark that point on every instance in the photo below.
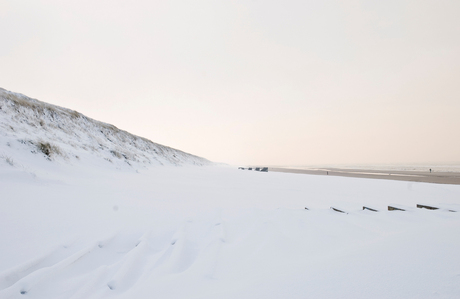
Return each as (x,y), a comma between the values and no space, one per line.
(58,133)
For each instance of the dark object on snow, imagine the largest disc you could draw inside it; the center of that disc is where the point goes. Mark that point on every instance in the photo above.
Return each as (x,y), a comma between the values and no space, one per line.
(367,208)
(257,169)
(307,208)
(390,208)
(337,210)
(265,169)
(250,168)
(426,207)
(430,208)
(242,168)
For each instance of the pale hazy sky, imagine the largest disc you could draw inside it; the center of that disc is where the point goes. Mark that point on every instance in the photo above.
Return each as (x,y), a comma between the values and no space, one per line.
(250,82)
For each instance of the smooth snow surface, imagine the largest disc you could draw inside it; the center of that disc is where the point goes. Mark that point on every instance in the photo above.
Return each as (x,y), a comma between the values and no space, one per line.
(80,231)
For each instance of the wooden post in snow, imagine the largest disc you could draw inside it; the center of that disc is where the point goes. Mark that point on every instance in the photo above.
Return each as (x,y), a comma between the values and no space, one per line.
(390,208)
(367,208)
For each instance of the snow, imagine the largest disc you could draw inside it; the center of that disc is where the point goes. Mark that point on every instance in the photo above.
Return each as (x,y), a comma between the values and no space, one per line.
(90,228)
(62,133)
(218,232)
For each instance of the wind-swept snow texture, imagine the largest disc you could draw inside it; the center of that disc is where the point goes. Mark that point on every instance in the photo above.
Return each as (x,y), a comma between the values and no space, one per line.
(59,133)
(79,228)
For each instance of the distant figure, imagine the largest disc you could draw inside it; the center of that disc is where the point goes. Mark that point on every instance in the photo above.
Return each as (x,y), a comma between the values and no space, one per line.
(430,170)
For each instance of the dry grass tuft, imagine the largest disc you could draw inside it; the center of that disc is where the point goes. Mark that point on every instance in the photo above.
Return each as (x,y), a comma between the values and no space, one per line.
(48,149)
(74,114)
(116,154)
(7,159)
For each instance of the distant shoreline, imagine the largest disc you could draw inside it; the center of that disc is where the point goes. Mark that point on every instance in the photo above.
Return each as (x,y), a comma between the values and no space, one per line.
(452,178)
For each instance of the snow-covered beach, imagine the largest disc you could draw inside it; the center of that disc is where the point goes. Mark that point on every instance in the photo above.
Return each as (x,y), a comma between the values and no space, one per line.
(127,130)
(216,232)
(105,217)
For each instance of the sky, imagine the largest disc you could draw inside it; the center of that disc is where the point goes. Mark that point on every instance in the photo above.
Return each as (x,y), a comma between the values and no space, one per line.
(250,82)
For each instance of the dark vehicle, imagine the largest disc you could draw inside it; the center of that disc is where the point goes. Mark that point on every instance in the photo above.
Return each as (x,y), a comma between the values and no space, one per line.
(257,168)
(250,168)
(265,169)
(242,168)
